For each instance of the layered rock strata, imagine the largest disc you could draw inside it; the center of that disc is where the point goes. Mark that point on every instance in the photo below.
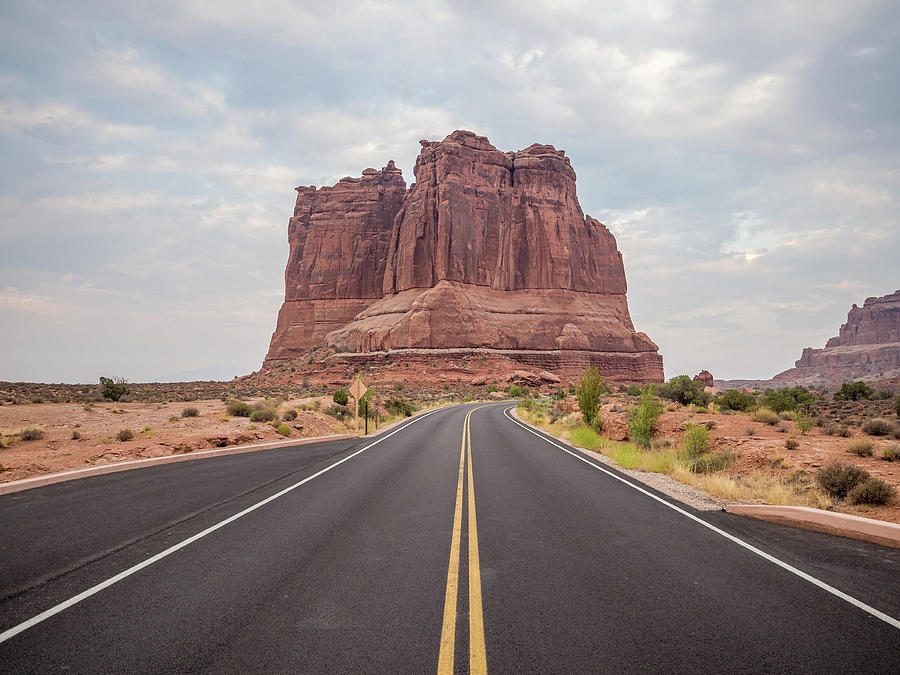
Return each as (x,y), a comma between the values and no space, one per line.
(867,346)
(487,250)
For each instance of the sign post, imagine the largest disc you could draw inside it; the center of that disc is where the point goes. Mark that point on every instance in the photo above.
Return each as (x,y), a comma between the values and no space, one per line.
(358,390)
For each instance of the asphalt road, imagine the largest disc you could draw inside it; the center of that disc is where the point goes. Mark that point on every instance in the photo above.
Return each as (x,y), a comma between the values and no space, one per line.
(376,555)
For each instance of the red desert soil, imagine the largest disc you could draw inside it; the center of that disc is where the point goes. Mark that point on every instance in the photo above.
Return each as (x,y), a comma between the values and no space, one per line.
(99,424)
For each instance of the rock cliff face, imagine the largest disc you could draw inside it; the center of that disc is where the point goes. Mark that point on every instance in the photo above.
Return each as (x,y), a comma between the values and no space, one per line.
(867,347)
(487,250)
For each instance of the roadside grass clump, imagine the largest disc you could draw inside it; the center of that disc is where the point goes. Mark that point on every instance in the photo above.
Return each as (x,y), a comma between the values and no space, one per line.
(765,416)
(626,455)
(263,415)
(891,453)
(838,479)
(124,435)
(283,429)
(791,444)
(190,411)
(289,415)
(585,437)
(872,491)
(861,446)
(708,462)
(660,461)
(661,443)
(238,408)
(643,417)
(878,426)
(32,434)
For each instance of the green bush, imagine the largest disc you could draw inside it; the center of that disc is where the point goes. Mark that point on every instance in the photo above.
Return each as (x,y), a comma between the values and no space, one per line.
(785,398)
(737,400)
(890,453)
(33,434)
(340,412)
(588,392)
(860,446)
(804,421)
(838,479)
(765,416)
(125,435)
(263,415)
(398,406)
(113,388)
(190,412)
(283,429)
(340,397)
(854,391)
(643,417)
(791,444)
(491,388)
(695,441)
(238,409)
(878,427)
(289,415)
(708,462)
(871,491)
(682,389)
(897,406)
(633,390)
(515,391)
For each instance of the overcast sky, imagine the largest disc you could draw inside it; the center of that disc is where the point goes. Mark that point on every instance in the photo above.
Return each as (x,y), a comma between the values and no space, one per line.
(745,159)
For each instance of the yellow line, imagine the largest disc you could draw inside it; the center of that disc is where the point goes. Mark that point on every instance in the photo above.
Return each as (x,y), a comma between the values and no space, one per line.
(477,655)
(448,632)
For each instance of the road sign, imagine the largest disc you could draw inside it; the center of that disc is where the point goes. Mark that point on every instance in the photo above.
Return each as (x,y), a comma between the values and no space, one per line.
(358,390)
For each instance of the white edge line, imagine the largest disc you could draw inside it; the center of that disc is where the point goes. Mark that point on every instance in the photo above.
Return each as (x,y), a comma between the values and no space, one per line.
(740,542)
(25,625)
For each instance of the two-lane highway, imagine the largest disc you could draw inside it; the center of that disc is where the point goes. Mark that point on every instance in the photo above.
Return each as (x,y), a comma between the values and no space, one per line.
(460,541)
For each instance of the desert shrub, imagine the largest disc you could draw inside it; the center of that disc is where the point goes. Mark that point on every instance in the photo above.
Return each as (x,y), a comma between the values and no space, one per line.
(838,479)
(643,417)
(263,415)
(588,392)
(695,441)
(33,434)
(737,400)
(515,391)
(398,406)
(238,409)
(340,397)
(283,429)
(891,453)
(339,412)
(765,416)
(113,388)
(682,389)
(584,437)
(125,435)
(871,491)
(289,415)
(804,422)
(786,398)
(881,395)
(491,388)
(708,462)
(878,427)
(76,435)
(190,411)
(897,406)
(791,444)
(633,390)
(661,443)
(853,391)
(526,404)
(781,428)
(751,431)
(860,446)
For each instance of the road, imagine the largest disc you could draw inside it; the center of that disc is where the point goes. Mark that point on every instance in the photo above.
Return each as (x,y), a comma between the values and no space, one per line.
(458,542)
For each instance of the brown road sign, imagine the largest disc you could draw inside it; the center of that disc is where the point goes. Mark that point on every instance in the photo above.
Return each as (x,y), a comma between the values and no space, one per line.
(358,389)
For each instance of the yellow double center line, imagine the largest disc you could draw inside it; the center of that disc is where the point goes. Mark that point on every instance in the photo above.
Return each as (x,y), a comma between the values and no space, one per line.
(477,657)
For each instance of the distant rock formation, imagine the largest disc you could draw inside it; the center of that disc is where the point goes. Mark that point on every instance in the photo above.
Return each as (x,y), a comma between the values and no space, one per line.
(488,250)
(704,377)
(867,347)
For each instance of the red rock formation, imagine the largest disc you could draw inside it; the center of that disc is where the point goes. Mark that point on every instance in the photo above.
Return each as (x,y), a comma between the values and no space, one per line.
(490,250)
(705,377)
(338,247)
(867,346)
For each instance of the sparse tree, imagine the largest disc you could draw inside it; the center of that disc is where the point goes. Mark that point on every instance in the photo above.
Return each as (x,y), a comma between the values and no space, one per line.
(113,388)
(588,392)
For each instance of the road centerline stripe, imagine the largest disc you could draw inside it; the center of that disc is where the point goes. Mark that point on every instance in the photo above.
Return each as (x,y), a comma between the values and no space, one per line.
(878,614)
(477,654)
(448,629)
(74,600)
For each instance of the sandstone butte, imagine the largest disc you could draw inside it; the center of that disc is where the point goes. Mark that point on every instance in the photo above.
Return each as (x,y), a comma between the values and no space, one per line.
(487,252)
(867,347)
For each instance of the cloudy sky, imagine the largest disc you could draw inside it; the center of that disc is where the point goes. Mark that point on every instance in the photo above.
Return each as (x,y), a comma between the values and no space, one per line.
(745,159)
